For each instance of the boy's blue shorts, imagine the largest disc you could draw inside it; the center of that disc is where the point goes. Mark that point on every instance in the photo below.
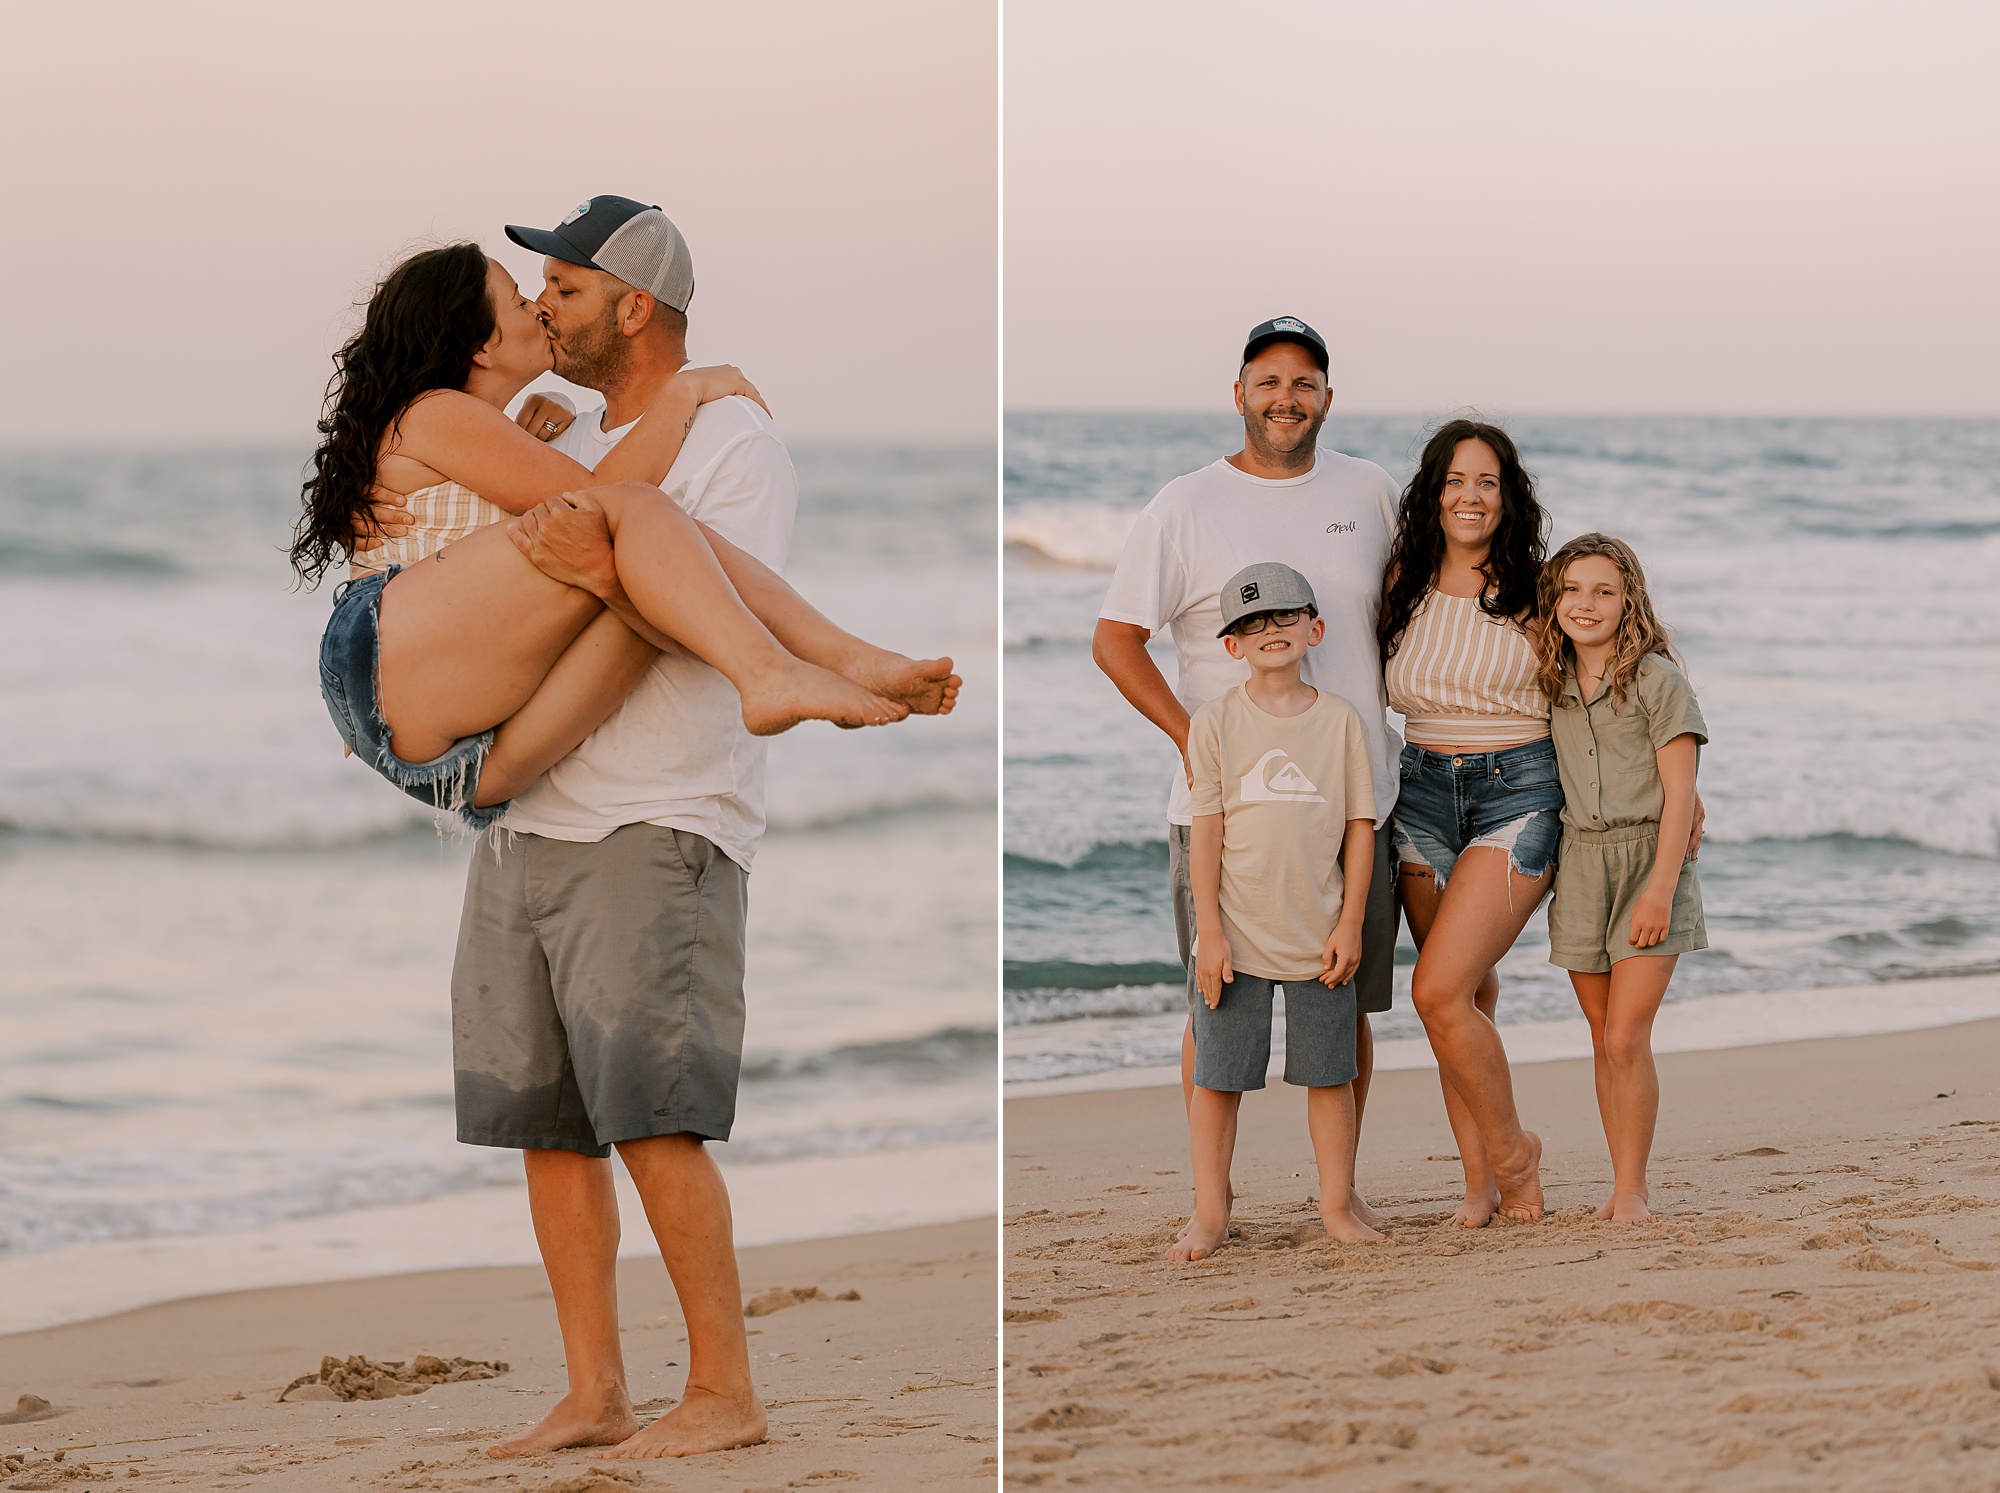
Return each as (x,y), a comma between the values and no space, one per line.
(1232,1043)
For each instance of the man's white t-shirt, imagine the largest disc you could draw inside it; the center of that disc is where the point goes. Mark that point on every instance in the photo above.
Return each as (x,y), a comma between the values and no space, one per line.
(1332,525)
(676,752)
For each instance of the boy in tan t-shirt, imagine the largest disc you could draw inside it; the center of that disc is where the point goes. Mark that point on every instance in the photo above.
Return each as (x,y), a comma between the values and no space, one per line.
(1283,804)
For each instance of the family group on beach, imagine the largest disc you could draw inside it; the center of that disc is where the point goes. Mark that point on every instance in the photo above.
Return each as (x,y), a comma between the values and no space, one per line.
(1552,741)
(574,632)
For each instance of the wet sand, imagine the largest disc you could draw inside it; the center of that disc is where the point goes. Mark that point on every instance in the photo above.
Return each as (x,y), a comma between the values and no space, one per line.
(894,1389)
(1818,1306)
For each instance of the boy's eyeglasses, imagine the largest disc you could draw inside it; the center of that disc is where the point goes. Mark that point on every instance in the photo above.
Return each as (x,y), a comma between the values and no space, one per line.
(1249,627)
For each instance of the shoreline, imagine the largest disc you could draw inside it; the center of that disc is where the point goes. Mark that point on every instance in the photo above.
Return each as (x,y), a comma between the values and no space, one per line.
(892,1387)
(1707,1023)
(810,1200)
(1814,1306)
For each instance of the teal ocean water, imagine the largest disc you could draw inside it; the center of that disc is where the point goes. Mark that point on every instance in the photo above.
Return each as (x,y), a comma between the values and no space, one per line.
(1830,583)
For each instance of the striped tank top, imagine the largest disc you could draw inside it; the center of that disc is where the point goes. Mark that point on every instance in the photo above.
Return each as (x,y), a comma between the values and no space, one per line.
(443,513)
(1464,680)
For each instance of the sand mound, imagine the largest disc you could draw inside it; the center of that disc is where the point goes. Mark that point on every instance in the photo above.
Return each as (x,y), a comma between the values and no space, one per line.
(359,1378)
(28,1407)
(779,1297)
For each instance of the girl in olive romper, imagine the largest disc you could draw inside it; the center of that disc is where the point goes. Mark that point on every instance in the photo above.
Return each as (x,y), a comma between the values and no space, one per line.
(1627,903)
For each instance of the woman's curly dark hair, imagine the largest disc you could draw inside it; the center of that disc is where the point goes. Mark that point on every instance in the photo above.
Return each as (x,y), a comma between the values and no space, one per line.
(1513,558)
(427,318)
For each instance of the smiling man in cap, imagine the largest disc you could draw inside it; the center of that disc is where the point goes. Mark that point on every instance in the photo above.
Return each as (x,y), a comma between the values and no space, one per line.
(1328,516)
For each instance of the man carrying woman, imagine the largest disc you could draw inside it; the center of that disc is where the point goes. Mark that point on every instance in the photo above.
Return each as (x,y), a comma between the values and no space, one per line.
(591,677)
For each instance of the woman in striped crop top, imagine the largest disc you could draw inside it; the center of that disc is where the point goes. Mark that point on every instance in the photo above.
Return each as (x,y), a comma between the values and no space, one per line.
(460,670)
(1478,810)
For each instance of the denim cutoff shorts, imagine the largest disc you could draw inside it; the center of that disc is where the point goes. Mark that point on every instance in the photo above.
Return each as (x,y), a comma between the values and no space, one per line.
(1452,801)
(350,654)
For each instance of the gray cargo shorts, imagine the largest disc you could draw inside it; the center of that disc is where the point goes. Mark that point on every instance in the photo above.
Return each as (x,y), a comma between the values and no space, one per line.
(1374,983)
(597,996)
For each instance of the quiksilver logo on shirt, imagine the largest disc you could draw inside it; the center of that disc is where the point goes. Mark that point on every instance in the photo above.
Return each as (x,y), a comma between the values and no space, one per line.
(1277,779)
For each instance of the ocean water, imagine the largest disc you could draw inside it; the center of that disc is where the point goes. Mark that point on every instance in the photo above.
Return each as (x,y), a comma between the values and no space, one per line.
(224,997)
(1830,583)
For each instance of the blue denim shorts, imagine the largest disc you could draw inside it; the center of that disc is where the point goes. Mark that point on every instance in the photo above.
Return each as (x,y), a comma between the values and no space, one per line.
(350,654)
(1452,801)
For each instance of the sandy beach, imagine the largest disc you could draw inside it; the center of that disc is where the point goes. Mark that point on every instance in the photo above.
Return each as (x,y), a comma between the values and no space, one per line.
(893,1389)
(1818,1306)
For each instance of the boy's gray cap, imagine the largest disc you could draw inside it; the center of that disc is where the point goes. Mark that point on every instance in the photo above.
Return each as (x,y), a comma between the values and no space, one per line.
(637,243)
(1266,587)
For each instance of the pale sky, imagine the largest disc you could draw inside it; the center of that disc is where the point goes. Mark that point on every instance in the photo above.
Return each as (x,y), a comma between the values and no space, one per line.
(197,192)
(1666,207)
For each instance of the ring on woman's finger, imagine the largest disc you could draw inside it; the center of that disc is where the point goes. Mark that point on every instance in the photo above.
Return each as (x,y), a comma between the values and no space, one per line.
(549,426)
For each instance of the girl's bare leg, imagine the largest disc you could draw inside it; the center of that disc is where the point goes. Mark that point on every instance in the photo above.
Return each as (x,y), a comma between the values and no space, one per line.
(1479,915)
(1417,888)
(1593,997)
(1629,1089)
(468,634)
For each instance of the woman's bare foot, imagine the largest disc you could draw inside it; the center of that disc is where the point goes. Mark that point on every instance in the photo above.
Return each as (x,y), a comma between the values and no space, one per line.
(926,685)
(1603,1214)
(1199,1240)
(701,1422)
(781,697)
(1360,1209)
(1627,1207)
(1341,1224)
(575,1421)
(1521,1182)
(1478,1208)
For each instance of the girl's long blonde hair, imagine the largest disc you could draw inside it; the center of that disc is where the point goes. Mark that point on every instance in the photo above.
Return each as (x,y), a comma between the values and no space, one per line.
(1640,630)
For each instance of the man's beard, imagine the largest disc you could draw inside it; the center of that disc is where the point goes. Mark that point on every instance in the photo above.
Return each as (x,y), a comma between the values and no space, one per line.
(594,357)
(1257,435)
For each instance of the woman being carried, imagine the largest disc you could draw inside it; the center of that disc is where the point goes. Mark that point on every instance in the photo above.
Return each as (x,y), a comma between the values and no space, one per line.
(465,673)
(1478,816)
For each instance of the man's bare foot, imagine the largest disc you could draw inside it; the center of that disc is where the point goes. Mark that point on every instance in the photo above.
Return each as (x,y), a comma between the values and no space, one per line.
(1521,1183)
(1228,1212)
(1199,1239)
(701,1422)
(926,685)
(1341,1224)
(1360,1209)
(1627,1207)
(796,692)
(1478,1208)
(573,1422)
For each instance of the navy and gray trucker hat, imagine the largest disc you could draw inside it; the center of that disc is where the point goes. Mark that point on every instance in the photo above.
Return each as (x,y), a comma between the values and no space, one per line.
(637,243)
(1264,587)
(1280,329)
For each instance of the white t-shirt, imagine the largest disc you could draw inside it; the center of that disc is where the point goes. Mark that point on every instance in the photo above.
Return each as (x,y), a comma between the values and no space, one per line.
(676,752)
(1332,526)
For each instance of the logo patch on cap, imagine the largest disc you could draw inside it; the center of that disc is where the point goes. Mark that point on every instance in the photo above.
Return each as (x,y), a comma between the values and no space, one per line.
(1250,593)
(1288,324)
(580,209)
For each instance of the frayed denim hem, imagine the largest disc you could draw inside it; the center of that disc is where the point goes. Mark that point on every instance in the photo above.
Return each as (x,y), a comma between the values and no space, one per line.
(350,662)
